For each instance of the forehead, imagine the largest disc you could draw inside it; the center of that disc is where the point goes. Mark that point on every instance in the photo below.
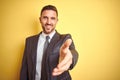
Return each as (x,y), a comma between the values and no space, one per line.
(49,13)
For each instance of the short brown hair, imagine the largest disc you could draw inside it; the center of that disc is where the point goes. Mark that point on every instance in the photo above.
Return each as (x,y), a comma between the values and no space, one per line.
(49,7)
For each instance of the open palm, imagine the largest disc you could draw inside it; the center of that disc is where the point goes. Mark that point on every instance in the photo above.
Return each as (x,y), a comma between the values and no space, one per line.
(65,58)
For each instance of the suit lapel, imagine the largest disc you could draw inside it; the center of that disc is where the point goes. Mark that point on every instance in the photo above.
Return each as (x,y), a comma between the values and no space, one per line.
(34,50)
(53,41)
(34,53)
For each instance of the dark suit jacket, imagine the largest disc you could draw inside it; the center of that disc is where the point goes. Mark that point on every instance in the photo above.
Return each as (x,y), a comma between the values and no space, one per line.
(28,68)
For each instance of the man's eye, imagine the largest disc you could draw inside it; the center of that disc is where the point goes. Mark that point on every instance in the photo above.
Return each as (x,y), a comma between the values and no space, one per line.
(44,17)
(53,18)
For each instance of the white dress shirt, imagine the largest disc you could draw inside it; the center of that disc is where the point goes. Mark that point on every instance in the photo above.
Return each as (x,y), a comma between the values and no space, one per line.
(40,46)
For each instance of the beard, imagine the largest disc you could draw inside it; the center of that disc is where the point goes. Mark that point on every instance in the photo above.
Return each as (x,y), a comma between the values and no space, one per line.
(48,28)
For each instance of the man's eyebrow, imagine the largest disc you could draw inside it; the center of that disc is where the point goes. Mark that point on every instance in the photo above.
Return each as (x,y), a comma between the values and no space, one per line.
(44,16)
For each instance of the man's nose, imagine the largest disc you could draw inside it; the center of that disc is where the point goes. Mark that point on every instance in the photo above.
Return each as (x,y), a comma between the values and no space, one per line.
(48,21)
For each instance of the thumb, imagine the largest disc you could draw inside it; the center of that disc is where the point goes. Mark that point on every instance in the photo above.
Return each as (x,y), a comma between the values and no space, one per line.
(67,43)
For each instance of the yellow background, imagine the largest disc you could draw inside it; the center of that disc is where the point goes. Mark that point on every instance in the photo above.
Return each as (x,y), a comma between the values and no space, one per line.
(93,24)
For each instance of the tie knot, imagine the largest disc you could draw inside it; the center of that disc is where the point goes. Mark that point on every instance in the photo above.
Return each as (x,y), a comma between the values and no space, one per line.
(47,38)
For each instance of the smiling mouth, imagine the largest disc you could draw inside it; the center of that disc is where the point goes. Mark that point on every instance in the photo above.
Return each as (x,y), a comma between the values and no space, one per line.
(48,24)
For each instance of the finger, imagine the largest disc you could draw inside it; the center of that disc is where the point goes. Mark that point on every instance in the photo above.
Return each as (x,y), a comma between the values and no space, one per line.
(56,74)
(67,43)
(58,71)
(65,60)
(66,66)
(63,65)
(64,49)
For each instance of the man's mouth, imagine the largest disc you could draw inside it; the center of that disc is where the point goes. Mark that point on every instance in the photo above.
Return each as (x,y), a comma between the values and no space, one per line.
(48,24)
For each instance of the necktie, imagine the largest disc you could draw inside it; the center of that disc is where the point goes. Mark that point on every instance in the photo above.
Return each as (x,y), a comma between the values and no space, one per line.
(46,43)
(44,67)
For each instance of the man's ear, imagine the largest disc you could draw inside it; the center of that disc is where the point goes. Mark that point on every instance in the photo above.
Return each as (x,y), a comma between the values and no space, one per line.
(40,19)
(57,20)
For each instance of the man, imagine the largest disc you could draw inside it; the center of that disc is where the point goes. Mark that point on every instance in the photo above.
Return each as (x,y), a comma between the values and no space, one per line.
(54,62)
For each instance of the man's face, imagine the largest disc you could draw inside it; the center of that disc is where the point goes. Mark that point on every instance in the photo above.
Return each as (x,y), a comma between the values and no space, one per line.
(48,21)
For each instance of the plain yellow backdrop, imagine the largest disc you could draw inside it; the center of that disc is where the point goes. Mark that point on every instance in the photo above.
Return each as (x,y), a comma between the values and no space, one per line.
(93,24)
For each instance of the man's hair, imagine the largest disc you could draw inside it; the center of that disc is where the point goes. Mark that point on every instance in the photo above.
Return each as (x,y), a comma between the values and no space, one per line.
(49,7)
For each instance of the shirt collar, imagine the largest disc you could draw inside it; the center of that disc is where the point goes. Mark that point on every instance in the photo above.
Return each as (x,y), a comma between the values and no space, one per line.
(50,35)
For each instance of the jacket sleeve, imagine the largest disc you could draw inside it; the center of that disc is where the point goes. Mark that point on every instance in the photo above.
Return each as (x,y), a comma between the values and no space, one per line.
(74,54)
(24,67)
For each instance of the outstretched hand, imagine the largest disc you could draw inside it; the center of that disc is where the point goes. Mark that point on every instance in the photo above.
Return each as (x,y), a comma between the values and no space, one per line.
(65,58)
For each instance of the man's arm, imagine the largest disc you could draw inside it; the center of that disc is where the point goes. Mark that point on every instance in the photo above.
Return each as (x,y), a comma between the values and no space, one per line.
(67,59)
(24,72)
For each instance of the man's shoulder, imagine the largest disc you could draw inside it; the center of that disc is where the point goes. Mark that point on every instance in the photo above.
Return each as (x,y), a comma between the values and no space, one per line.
(65,35)
(33,37)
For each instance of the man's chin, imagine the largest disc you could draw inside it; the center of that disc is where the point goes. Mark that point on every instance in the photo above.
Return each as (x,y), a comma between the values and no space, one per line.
(47,32)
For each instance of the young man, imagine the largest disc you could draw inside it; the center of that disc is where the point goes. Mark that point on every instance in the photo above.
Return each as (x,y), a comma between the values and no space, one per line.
(54,62)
